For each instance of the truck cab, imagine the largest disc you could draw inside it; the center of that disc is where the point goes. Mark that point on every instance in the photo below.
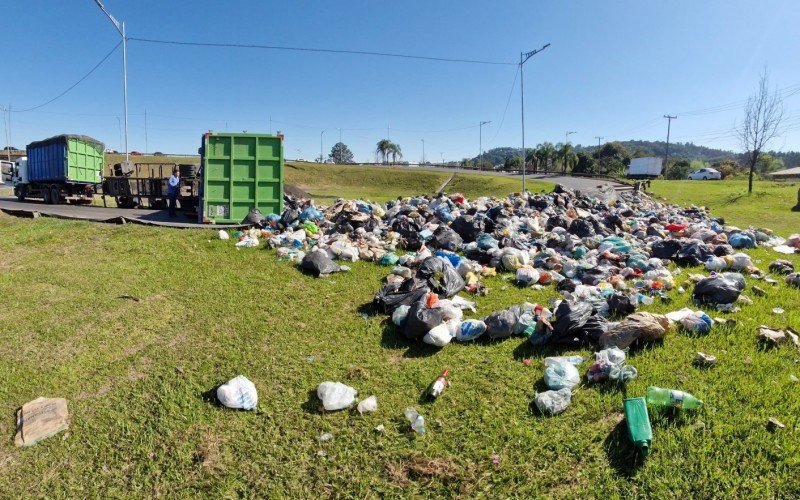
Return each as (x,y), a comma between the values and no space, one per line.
(19,178)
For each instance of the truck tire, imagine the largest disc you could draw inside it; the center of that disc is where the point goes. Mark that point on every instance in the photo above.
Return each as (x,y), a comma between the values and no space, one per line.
(55,195)
(46,195)
(21,192)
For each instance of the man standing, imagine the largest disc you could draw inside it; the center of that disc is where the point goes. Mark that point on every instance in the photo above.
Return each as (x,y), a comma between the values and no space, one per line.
(173,189)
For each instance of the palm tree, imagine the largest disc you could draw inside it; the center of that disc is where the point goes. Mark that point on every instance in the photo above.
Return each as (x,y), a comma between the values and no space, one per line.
(567,157)
(394,150)
(383,149)
(545,153)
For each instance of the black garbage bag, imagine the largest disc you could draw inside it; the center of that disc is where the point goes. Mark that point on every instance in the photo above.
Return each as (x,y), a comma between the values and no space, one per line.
(318,263)
(393,295)
(716,290)
(440,276)
(692,254)
(289,215)
(254,217)
(411,242)
(446,239)
(494,212)
(420,320)
(576,324)
(468,227)
(556,221)
(653,231)
(539,202)
(481,256)
(723,250)
(620,304)
(405,227)
(566,285)
(582,228)
(665,249)
(781,266)
(500,324)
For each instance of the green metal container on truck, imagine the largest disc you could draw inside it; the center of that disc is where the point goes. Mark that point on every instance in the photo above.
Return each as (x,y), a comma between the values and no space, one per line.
(240,172)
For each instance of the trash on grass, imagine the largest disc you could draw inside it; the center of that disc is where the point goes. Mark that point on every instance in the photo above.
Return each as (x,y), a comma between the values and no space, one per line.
(238,393)
(40,419)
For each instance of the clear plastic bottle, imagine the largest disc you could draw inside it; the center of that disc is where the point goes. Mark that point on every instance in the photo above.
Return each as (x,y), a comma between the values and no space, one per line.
(668,397)
(416,420)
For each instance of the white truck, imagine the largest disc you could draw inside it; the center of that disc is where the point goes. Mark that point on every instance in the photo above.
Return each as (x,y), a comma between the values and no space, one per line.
(645,168)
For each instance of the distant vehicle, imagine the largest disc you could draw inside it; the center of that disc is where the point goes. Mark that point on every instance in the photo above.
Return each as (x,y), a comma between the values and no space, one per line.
(300,159)
(644,168)
(158,153)
(705,174)
(136,153)
(64,167)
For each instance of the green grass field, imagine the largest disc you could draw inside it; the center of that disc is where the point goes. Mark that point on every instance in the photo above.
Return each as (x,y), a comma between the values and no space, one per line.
(135,375)
(768,206)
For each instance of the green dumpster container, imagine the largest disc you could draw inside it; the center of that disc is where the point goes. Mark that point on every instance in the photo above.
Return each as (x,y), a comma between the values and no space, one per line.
(240,172)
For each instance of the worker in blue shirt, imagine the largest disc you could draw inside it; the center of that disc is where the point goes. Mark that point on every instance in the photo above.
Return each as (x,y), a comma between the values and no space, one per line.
(173,190)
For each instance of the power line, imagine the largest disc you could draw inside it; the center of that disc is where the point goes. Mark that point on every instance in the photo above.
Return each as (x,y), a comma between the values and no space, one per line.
(327,51)
(508,101)
(84,77)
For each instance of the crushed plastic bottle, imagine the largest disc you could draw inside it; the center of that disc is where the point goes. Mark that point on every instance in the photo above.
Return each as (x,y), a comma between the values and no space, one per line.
(416,420)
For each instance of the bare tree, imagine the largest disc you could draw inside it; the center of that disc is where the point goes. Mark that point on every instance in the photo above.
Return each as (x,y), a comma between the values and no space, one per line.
(763,115)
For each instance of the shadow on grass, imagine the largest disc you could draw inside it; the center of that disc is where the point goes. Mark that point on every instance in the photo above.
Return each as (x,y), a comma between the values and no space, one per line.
(391,338)
(622,455)
(210,397)
(313,405)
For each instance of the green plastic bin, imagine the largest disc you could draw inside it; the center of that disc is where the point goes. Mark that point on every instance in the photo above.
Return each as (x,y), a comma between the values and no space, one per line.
(240,172)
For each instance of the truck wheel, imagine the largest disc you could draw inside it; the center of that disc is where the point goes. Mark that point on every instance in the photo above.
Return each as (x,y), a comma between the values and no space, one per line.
(55,195)
(46,195)
(21,192)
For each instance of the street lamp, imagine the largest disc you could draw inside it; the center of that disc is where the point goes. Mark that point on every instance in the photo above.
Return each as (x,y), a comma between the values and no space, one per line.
(441,155)
(320,145)
(423,151)
(524,56)
(121,28)
(480,144)
(566,136)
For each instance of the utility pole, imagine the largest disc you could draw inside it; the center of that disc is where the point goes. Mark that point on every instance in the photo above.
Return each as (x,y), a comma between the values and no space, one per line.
(441,155)
(121,28)
(480,144)
(524,56)
(119,125)
(666,159)
(270,125)
(145,132)
(423,151)
(8,129)
(599,138)
(566,136)
(321,158)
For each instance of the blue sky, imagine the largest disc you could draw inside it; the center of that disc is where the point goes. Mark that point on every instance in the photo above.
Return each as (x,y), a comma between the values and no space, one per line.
(613,69)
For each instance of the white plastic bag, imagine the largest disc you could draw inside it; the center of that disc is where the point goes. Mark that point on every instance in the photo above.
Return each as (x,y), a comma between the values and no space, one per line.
(223,235)
(716,264)
(527,276)
(553,402)
(247,242)
(400,314)
(438,336)
(238,393)
(561,373)
(336,396)
(368,405)
(470,329)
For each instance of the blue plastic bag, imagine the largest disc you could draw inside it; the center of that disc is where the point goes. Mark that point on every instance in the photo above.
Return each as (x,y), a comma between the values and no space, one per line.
(311,213)
(742,240)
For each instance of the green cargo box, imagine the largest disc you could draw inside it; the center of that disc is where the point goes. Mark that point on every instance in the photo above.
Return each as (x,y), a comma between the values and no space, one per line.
(240,172)
(66,158)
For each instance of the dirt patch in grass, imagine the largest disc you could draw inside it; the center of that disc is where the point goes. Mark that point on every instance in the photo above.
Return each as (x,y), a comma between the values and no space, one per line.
(357,372)
(208,455)
(421,468)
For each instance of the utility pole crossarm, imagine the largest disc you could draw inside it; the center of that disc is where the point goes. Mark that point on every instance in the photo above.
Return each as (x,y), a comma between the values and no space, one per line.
(110,17)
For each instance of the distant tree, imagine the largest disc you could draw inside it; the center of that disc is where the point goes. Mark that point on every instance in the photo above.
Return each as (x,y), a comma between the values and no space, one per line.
(679,169)
(566,157)
(340,153)
(727,168)
(513,163)
(383,148)
(545,152)
(584,164)
(612,158)
(767,163)
(395,152)
(763,115)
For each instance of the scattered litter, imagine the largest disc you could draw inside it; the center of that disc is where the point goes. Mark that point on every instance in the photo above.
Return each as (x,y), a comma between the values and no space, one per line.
(778,310)
(223,235)
(774,424)
(368,405)
(610,365)
(638,424)
(657,396)
(324,438)
(380,428)
(705,360)
(125,296)
(439,385)
(336,396)
(561,372)
(416,420)
(40,419)
(553,402)
(238,393)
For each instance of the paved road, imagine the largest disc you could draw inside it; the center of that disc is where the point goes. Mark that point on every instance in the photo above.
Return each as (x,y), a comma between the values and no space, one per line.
(102,214)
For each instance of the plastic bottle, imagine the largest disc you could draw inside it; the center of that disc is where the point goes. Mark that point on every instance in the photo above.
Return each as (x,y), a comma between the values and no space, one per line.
(416,420)
(438,386)
(668,397)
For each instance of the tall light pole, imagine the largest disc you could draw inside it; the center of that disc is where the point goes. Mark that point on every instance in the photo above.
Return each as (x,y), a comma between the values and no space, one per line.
(320,146)
(423,151)
(121,28)
(666,159)
(441,155)
(480,144)
(8,129)
(566,136)
(524,56)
